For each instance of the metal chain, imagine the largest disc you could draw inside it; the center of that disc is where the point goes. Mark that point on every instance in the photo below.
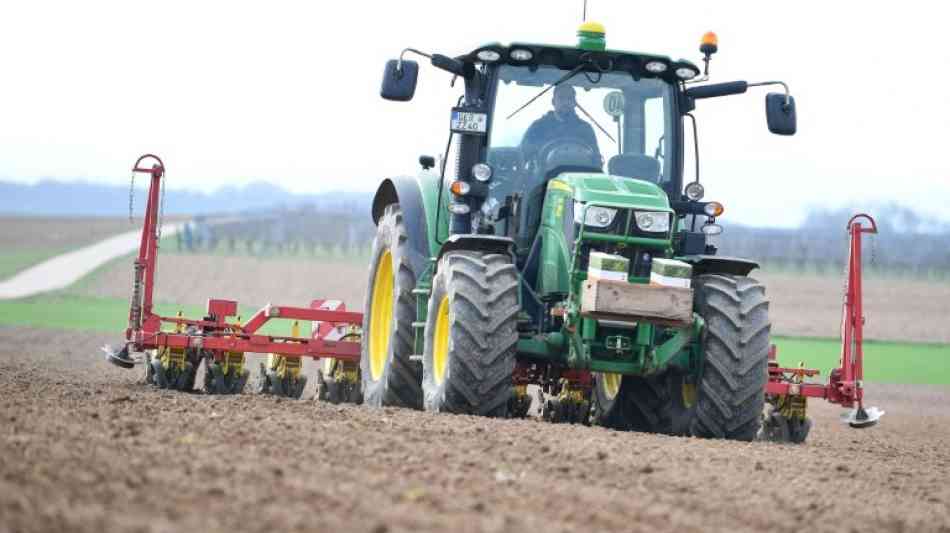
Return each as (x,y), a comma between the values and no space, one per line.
(844,291)
(873,249)
(131,195)
(161,212)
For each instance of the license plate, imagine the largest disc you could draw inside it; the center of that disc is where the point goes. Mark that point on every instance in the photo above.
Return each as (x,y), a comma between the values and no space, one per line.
(469,122)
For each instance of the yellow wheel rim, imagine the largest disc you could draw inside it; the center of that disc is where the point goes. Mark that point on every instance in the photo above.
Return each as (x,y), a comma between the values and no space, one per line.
(440,341)
(689,394)
(611,384)
(381,315)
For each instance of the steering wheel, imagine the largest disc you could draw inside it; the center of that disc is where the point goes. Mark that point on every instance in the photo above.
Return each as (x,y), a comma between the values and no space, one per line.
(567,152)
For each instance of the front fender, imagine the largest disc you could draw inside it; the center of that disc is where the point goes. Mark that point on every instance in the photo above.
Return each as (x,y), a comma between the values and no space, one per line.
(417,198)
(715,264)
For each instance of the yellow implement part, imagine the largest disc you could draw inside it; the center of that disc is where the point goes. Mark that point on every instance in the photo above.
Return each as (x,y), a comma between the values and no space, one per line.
(172,358)
(233,361)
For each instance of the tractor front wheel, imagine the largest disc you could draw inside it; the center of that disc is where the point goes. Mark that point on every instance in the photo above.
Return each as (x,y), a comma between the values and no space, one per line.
(730,393)
(388,375)
(471,334)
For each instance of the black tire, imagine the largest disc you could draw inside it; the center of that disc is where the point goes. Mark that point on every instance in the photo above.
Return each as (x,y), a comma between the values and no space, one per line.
(730,393)
(474,303)
(149,369)
(217,382)
(391,378)
(639,404)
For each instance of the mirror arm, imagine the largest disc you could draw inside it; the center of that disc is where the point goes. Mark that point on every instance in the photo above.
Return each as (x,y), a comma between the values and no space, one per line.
(782,83)
(404,52)
(448,64)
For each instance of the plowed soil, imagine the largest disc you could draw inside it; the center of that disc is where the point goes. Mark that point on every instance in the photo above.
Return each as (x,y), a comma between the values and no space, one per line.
(85,446)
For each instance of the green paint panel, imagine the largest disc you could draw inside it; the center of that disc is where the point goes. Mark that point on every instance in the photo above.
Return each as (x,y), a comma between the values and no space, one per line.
(429,188)
(616,191)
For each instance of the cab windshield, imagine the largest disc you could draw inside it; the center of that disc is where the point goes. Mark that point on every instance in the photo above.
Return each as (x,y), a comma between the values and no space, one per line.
(596,122)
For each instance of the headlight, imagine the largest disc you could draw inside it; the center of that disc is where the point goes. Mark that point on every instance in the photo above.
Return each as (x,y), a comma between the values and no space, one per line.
(597,216)
(653,222)
(481,172)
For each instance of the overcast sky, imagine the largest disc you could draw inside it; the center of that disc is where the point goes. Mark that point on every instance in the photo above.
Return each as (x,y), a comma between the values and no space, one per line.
(288,92)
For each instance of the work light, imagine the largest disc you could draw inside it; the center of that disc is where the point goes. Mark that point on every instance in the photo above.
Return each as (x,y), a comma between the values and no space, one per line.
(521,54)
(695,191)
(459,209)
(481,172)
(656,67)
(488,55)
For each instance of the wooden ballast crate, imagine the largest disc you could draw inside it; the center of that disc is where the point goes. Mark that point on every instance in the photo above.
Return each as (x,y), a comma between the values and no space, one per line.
(618,300)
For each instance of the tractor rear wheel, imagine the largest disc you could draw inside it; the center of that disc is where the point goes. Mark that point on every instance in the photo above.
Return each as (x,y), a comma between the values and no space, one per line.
(730,393)
(389,377)
(471,334)
(634,403)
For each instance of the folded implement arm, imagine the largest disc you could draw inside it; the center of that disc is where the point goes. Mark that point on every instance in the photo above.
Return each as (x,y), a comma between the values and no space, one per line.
(787,390)
(213,335)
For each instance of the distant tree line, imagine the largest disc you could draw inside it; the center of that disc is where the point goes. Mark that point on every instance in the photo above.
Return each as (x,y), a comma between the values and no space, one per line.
(906,245)
(344,230)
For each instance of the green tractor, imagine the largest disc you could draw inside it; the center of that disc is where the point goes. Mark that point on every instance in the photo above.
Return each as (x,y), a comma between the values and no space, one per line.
(556,245)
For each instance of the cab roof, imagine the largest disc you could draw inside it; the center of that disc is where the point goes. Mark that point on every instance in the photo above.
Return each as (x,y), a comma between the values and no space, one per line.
(568,57)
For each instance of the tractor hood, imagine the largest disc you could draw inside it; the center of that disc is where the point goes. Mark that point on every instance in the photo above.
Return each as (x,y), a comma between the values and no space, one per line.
(615,191)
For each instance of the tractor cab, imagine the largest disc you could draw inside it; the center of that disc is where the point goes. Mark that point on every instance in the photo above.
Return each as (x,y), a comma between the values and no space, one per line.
(533,112)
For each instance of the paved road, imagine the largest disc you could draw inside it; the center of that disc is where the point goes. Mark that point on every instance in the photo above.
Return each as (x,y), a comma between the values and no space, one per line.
(64,270)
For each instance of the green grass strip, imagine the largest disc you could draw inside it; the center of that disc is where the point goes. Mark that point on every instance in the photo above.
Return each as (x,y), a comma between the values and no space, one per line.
(884,362)
(103,314)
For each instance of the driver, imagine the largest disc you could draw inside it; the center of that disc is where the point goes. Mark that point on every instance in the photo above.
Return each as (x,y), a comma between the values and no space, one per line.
(560,123)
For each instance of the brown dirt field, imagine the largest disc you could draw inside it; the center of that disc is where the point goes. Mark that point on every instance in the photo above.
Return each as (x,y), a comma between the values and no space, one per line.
(85,447)
(809,306)
(192,279)
(902,310)
(18,232)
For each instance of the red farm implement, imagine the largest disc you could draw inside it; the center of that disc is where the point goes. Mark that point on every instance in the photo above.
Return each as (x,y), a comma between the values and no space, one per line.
(788,392)
(213,339)
(174,347)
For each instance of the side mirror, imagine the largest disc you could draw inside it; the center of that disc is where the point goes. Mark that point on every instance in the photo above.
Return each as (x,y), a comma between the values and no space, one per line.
(399,80)
(780,115)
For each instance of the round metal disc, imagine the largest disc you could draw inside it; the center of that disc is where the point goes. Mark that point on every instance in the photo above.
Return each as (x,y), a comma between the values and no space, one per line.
(872,415)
